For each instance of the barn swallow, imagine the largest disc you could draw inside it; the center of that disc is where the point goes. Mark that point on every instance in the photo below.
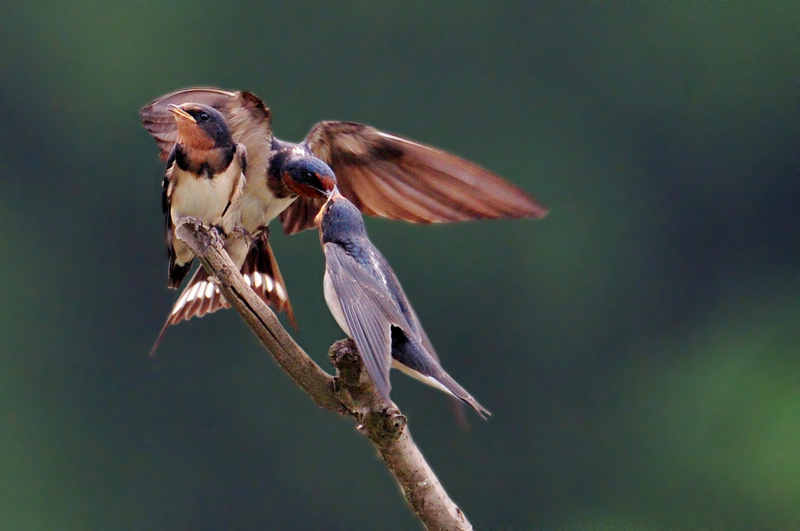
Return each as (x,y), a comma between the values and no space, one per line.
(366,300)
(203,177)
(381,173)
(252,254)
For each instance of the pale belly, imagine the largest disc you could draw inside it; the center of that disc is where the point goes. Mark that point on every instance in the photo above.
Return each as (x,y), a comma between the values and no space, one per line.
(203,198)
(255,211)
(259,206)
(335,307)
(237,244)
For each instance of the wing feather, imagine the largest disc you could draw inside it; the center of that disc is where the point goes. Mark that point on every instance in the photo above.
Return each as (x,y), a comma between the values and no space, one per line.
(160,123)
(201,296)
(247,116)
(390,176)
(369,312)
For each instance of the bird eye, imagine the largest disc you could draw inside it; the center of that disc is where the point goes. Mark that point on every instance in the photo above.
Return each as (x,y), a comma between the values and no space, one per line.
(308,175)
(204,116)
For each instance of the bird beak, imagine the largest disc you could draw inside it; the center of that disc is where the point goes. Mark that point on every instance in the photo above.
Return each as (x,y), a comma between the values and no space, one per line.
(330,195)
(180,113)
(320,215)
(331,192)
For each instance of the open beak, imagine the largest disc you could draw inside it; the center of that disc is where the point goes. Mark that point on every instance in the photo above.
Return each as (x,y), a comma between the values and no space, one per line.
(331,196)
(180,113)
(330,188)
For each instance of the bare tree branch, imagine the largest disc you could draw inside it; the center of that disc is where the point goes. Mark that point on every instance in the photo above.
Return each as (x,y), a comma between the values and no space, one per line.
(350,393)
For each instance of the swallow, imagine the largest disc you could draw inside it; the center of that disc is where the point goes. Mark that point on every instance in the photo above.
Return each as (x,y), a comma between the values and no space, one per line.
(367,301)
(203,178)
(381,173)
(251,253)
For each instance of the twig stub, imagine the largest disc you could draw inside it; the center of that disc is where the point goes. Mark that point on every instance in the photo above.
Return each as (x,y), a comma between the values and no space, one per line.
(351,392)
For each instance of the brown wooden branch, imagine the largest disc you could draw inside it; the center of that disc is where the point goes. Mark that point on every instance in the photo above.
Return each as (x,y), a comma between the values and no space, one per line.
(350,392)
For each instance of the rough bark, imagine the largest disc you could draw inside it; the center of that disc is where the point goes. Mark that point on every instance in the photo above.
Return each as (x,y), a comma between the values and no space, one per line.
(350,392)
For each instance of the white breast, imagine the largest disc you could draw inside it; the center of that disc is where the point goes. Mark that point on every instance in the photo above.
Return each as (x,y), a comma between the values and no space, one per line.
(333,303)
(203,198)
(259,205)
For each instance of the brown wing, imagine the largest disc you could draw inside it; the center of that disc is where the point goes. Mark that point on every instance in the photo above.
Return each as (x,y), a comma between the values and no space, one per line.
(393,177)
(299,216)
(270,287)
(247,116)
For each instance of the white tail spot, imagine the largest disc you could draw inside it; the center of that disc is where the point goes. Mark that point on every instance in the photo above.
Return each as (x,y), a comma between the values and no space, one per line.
(209,290)
(247,279)
(280,292)
(268,281)
(180,303)
(256,280)
(193,292)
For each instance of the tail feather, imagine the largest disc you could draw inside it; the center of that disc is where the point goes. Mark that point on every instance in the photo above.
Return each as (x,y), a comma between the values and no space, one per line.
(411,357)
(260,271)
(460,393)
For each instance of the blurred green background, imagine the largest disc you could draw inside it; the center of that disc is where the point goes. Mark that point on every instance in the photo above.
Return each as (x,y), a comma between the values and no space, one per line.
(638,347)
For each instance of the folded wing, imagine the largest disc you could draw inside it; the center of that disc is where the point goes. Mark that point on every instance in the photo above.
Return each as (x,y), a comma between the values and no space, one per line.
(369,312)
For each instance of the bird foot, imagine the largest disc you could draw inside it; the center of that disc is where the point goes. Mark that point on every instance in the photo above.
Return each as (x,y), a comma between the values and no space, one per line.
(244,233)
(195,223)
(205,234)
(377,417)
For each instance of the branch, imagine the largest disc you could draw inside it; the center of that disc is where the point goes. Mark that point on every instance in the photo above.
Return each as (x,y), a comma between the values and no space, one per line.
(350,393)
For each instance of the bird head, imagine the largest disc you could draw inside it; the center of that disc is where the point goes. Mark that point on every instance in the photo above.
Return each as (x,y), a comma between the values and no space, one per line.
(309,176)
(201,126)
(339,219)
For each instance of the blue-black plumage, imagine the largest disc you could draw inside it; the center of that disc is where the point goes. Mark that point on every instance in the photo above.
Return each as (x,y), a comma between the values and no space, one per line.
(368,303)
(380,173)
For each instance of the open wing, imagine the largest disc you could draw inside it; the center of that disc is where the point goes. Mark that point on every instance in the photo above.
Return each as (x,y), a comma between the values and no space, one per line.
(247,116)
(393,177)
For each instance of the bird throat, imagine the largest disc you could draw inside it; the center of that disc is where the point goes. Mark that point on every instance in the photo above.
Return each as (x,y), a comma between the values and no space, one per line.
(202,161)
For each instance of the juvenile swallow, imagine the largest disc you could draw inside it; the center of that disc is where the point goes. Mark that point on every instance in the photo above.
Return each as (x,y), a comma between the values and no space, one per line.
(291,171)
(365,297)
(252,254)
(381,173)
(203,177)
